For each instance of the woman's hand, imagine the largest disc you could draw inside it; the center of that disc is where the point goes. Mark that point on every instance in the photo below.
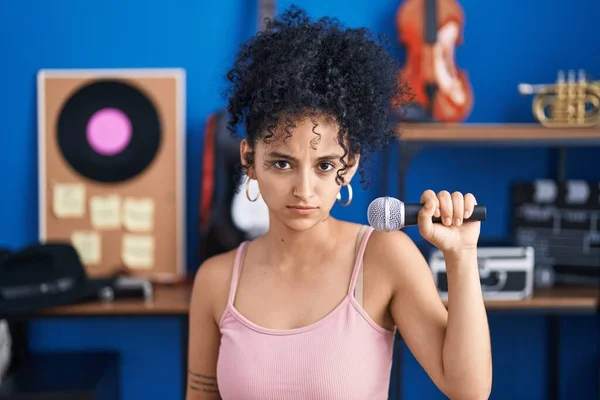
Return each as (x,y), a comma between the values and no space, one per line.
(452,234)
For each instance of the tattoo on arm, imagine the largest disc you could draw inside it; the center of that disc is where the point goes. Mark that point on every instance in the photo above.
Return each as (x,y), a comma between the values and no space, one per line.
(203,383)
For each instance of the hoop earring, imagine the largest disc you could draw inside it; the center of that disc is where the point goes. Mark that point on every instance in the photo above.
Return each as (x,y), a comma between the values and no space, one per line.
(248,191)
(339,196)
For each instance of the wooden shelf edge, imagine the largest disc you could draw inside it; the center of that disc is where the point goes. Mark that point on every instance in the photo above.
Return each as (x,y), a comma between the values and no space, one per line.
(497,132)
(565,299)
(167,300)
(175,301)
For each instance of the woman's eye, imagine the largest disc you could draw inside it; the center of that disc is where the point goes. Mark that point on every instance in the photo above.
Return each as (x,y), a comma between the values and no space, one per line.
(325,167)
(280,164)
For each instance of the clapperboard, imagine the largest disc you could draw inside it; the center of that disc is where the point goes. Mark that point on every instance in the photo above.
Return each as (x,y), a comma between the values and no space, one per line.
(560,220)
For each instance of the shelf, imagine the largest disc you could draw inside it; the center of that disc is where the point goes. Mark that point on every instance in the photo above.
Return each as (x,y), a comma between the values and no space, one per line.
(174,300)
(561,299)
(167,300)
(500,134)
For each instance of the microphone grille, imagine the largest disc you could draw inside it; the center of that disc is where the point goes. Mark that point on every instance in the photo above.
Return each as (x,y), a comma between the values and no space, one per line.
(386,214)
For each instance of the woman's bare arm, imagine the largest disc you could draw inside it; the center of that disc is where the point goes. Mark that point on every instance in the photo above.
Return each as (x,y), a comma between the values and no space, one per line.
(452,349)
(206,305)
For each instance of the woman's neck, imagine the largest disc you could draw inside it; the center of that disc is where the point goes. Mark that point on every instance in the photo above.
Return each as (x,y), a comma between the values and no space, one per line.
(288,248)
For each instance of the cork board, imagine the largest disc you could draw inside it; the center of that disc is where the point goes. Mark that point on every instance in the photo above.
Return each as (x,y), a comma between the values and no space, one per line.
(111,168)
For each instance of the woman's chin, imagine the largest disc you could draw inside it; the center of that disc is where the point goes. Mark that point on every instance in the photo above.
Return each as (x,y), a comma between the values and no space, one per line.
(300,224)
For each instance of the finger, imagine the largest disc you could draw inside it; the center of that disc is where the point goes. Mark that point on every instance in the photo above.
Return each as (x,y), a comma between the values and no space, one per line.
(470,203)
(427,195)
(445,207)
(458,208)
(430,194)
(430,204)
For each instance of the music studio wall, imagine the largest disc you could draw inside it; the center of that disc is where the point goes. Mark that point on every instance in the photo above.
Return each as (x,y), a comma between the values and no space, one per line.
(504,43)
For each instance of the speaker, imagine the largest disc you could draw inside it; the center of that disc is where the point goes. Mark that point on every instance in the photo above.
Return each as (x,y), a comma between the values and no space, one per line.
(112,168)
(559,219)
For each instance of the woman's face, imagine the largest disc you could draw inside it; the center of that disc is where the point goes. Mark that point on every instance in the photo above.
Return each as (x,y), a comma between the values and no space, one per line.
(297,174)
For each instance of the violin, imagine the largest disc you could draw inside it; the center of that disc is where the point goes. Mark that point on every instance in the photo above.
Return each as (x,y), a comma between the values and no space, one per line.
(430,30)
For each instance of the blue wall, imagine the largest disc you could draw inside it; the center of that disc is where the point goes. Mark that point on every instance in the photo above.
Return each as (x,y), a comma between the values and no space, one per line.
(506,43)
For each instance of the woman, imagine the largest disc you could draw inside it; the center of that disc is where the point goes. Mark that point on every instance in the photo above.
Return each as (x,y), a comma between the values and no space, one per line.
(309,310)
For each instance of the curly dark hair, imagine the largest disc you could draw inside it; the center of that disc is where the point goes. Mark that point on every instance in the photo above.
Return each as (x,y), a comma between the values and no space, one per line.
(300,68)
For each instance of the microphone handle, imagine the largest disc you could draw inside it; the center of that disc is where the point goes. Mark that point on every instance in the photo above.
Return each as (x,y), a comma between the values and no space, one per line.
(411,214)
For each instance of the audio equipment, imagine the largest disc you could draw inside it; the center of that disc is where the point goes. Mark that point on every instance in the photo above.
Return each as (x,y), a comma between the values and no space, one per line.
(112,168)
(5,348)
(505,273)
(560,220)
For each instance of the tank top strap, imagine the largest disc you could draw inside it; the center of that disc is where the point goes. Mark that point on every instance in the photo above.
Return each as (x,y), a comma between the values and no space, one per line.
(363,237)
(236,271)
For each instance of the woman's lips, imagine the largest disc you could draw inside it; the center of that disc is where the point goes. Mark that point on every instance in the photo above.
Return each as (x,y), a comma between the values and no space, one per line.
(302,210)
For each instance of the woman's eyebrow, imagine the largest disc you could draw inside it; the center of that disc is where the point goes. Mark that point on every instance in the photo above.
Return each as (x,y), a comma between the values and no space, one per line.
(284,156)
(276,154)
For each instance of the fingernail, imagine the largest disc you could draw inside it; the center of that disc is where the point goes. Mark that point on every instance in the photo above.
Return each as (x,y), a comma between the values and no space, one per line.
(467,214)
(457,221)
(447,221)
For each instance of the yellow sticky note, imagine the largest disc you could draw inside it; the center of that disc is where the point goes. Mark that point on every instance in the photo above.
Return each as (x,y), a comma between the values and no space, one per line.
(88,246)
(105,212)
(68,200)
(137,251)
(138,214)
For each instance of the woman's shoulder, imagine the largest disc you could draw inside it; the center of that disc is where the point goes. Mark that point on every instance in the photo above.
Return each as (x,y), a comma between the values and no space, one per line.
(389,240)
(378,239)
(217,267)
(212,281)
(390,250)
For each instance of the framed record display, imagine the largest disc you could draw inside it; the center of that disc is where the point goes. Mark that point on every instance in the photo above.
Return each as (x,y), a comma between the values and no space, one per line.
(111,163)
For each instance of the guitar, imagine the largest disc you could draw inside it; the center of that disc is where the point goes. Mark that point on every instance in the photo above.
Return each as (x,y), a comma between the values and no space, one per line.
(226,216)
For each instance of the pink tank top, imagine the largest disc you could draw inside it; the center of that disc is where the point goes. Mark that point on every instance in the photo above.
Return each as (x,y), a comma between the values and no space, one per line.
(344,355)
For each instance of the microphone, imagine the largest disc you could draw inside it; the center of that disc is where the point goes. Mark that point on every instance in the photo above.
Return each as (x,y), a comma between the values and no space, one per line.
(390,214)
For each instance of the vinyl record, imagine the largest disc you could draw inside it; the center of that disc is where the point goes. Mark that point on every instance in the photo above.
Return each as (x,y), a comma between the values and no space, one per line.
(109,131)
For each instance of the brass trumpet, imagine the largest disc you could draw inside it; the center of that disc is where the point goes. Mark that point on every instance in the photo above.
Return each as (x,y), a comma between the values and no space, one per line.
(570,102)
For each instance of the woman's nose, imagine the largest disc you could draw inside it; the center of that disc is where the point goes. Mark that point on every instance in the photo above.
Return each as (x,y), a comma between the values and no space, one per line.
(304,187)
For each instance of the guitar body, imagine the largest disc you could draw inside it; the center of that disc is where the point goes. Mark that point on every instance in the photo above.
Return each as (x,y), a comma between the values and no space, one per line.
(218,233)
(430,30)
(227,217)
